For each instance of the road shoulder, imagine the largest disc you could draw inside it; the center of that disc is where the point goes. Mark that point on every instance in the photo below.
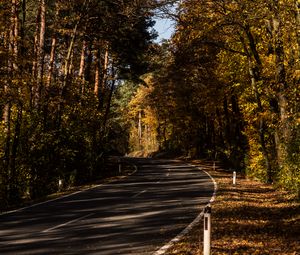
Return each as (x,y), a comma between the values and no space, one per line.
(248,218)
(126,172)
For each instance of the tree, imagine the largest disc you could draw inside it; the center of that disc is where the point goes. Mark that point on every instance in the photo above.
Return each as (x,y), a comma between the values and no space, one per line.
(237,81)
(61,62)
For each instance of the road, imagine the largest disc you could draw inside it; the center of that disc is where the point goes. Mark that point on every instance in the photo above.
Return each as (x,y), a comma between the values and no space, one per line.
(135,215)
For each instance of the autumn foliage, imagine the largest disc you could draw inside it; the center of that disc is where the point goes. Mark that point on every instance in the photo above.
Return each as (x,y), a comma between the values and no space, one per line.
(227,87)
(60,65)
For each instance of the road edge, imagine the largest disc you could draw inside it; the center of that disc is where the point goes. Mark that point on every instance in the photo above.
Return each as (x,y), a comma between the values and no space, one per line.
(69,195)
(184,232)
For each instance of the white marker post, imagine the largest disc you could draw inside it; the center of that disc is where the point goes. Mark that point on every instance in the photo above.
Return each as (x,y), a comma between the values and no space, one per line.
(214,166)
(120,166)
(234,178)
(207,231)
(60,183)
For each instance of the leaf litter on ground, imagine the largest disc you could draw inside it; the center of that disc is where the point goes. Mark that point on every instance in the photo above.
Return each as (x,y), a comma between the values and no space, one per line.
(248,218)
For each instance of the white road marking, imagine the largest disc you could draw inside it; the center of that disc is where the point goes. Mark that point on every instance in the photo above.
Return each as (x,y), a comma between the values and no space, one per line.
(136,195)
(67,223)
(177,238)
(166,247)
(68,195)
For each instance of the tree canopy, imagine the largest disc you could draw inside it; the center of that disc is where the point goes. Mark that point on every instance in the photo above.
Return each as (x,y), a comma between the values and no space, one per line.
(227,86)
(83,79)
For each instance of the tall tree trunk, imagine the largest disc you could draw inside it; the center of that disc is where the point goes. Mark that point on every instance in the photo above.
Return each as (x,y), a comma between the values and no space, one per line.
(261,122)
(89,60)
(105,69)
(34,90)
(104,75)
(255,67)
(41,53)
(22,29)
(82,66)
(140,129)
(283,129)
(15,71)
(69,56)
(97,72)
(66,72)
(12,72)
(14,190)
(51,62)
(82,60)
(108,105)
(227,124)
(15,35)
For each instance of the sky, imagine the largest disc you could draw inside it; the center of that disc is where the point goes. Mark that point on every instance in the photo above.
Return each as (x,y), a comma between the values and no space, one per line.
(164,27)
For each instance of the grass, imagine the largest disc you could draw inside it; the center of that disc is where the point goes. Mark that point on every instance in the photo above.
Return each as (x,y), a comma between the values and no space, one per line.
(248,218)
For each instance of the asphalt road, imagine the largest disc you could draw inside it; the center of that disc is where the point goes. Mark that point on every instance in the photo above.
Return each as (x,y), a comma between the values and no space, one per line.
(135,215)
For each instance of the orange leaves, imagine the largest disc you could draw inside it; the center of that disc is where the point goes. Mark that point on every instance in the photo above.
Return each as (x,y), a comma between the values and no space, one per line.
(250,218)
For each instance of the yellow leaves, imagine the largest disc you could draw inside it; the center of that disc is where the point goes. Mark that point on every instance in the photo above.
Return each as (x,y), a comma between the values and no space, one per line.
(296,75)
(247,219)
(144,123)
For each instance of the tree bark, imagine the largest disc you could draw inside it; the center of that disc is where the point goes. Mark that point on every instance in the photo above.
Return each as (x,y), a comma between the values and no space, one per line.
(104,76)
(13,50)
(140,129)
(82,60)
(68,57)
(51,62)
(261,122)
(82,66)
(108,105)
(97,73)
(255,66)
(40,53)
(283,127)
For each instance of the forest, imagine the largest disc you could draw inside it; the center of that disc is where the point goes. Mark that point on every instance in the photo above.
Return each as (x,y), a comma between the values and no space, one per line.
(82,80)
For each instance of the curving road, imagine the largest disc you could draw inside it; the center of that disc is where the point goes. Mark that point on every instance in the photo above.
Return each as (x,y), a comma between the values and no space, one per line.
(135,215)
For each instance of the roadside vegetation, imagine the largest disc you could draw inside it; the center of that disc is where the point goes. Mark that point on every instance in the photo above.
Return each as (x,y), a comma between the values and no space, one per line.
(83,80)
(115,169)
(60,65)
(227,87)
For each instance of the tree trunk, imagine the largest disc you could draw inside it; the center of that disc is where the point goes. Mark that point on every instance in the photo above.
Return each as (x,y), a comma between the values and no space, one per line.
(97,73)
(112,88)
(14,189)
(7,130)
(254,71)
(40,53)
(22,29)
(15,35)
(87,71)
(13,50)
(261,125)
(227,124)
(82,66)
(52,58)
(140,129)
(66,72)
(69,56)
(51,63)
(82,60)
(104,76)
(283,128)
(105,68)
